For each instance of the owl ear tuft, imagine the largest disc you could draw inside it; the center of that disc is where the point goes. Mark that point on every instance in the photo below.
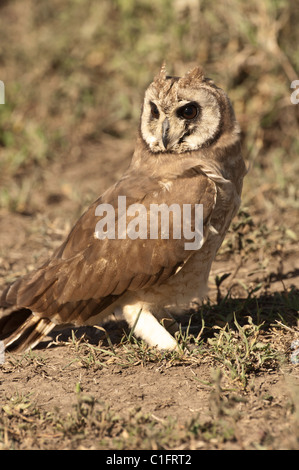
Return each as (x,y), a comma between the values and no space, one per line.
(161,76)
(195,74)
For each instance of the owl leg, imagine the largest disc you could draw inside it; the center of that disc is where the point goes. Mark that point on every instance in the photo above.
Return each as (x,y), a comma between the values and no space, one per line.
(148,328)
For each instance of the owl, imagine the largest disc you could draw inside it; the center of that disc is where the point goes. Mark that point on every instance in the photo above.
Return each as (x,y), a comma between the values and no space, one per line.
(116,259)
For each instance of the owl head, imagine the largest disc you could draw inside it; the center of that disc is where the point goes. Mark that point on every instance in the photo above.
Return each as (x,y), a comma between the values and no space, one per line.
(182,114)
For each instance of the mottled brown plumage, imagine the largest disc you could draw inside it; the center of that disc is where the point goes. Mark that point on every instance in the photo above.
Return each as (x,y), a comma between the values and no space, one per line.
(87,279)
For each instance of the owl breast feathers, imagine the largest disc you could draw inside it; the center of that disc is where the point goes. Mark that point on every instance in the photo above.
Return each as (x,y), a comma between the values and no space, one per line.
(133,251)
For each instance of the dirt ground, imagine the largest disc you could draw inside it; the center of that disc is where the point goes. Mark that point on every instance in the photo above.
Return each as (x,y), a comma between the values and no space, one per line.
(262,414)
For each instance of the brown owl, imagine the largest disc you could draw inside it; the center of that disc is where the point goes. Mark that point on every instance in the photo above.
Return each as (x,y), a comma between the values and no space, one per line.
(146,246)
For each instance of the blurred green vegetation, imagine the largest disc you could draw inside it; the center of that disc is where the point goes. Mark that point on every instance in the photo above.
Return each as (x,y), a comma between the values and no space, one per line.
(76,69)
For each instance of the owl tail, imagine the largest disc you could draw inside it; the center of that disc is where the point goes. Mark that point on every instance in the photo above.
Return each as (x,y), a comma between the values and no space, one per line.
(20,330)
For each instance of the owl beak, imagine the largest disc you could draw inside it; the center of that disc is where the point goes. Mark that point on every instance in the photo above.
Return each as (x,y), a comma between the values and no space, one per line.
(165,129)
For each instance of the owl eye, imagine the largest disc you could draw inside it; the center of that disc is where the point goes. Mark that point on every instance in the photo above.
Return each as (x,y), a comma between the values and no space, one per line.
(189,111)
(154,111)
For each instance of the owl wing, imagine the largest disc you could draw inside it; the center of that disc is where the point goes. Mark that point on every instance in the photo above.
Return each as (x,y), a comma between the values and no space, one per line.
(86,274)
